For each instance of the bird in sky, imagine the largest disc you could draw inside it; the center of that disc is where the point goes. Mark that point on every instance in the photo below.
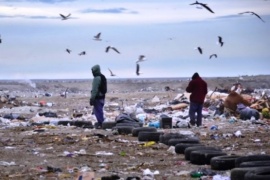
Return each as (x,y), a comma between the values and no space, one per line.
(68,50)
(113,48)
(199,49)
(220,42)
(138,69)
(112,74)
(65,17)
(0,39)
(213,55)
(141,58)
(82,53)
(252,13)
(203,5)
(97,37)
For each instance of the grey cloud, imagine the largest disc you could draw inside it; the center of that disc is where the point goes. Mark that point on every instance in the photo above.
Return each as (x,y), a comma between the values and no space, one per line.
(109,11)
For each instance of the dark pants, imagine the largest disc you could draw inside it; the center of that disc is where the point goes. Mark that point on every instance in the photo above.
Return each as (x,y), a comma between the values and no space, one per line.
(98,110)
(195,108)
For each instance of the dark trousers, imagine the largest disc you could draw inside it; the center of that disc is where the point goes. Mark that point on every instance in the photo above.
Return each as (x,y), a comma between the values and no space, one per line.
(98,110)
(195,108)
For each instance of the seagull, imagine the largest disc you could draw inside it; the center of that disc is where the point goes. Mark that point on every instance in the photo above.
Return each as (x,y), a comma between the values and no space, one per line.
(203,5)
(213,55)
(0,39)
(82,53)
(141,58)
(199,49)
(138,69)
(253,13)
(97,37)
(65,17)
(111,72)
(113,48)
(68,50)
(220,41)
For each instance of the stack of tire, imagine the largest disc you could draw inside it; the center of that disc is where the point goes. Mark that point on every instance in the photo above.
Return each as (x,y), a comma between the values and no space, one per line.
(251,167)
(194,151)
(126,128)
(146,134)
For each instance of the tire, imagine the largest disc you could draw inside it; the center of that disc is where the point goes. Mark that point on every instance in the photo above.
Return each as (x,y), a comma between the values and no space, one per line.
(108,124)
(223,162)
(166,137)
(127,124)
(202,157)
(242,159)
(191,140)
(149,136)
(198,148)
(180,148)
(258,174)
(65,123)
(83,124)
(136,131)
(239,173)
(255,164)
(123,129)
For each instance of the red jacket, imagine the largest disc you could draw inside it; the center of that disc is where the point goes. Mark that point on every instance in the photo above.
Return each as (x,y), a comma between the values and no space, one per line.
(198,89)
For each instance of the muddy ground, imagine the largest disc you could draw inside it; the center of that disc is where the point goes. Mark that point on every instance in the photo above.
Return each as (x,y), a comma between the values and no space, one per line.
(26,151)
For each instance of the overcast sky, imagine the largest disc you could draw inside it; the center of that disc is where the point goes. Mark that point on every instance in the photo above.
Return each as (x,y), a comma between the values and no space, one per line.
(35,38)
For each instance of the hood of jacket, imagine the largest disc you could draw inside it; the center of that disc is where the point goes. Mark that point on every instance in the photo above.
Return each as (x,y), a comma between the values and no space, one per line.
(96,70)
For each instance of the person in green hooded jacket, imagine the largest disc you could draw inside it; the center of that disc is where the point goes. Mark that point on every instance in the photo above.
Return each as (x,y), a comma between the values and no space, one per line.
(98,92)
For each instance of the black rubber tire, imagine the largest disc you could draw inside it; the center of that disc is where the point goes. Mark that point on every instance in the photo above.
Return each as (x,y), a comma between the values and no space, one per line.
(255,164)
(259,157)
(202,157)
(191,140)
(258,174)
(223,162)
(65,123)
(83,124)
(198,148)
(166,137)
(108,124)
(149,136)
(135,131)
(123,129)
(239,173)
(127,124)
(180,148)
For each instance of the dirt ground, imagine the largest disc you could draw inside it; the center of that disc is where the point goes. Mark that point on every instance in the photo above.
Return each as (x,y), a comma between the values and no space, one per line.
(27,151)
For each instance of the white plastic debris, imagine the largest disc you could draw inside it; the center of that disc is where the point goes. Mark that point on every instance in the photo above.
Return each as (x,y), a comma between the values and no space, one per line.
(171,149)
(4,163)
(104,153)
(219,177)
(238,133)
(155,99)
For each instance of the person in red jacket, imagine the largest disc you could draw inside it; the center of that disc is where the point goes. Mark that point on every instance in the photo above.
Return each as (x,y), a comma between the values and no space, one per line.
(198,89)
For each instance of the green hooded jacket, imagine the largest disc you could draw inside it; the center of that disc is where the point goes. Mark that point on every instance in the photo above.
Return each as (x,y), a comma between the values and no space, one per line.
(96,82)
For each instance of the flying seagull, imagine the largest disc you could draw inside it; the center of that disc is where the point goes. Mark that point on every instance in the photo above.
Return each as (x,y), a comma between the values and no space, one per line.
(199,49)
(97,37)
(68,50)
(0,39)
(113,48)
(111,72)
(252,13)
(220,41)
(213,55)
(203,5)
(65,17)
(82,53)
(141,58)
(138,69)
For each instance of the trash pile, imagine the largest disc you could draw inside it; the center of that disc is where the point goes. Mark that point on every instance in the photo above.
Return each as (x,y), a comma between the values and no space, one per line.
(146,139)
